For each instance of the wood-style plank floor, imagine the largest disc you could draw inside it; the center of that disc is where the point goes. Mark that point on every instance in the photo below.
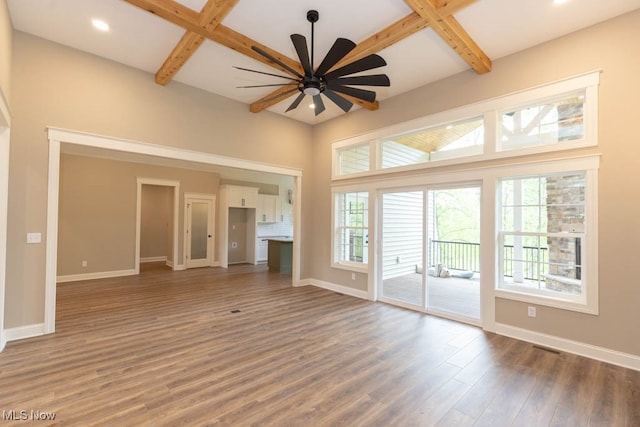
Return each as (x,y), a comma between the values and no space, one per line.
(241,347)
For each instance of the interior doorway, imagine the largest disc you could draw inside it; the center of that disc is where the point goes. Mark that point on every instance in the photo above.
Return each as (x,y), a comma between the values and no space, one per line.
(172,237)
(429,257)
(199,214)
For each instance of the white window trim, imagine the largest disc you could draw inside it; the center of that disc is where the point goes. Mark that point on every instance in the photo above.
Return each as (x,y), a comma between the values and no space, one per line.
(360,267)
(588,302)
(490,110)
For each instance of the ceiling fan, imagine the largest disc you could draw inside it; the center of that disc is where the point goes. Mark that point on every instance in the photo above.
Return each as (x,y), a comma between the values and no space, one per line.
(322,81)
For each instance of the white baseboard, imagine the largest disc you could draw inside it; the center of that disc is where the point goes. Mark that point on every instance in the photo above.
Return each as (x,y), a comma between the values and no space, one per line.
(153,259)
(23,332)
(97,275)
(603,354)
(335,288)
(180,267)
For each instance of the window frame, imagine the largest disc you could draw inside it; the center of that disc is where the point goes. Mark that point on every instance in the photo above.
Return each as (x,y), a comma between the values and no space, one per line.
(490,110)
(587,302)
(336,235)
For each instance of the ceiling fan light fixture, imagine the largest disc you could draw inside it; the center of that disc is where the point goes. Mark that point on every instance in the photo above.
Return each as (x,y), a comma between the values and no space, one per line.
(311,90)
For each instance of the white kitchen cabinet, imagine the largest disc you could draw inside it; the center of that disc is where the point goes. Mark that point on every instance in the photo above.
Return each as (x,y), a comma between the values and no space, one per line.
(269,209)
(262,248)
(242,197)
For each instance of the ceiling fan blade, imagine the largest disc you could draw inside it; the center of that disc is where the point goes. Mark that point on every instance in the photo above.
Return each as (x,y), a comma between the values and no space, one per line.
(266,74)
(341,47)
(296,102)
(280,95)
(338,100)
(319,105)
(300,43)
(372,80)
(275,84)
(367,63)
(276,60)
(366,95)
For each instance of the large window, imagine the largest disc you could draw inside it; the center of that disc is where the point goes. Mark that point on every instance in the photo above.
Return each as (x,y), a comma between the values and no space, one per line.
(351,240)
(446,141)
(554,117)
(560,119)
(543,237)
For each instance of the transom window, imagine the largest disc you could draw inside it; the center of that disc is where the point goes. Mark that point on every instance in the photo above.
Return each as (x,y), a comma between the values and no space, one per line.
(441,142)
(558,120)
(558,116)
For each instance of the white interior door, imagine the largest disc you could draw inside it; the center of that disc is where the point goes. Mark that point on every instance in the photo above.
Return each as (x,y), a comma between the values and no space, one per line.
(199,220)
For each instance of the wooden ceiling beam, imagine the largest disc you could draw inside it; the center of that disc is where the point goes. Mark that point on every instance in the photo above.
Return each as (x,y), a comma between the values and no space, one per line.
(211,15)
(206,24)
(452,32)
(449,7)
(188,19)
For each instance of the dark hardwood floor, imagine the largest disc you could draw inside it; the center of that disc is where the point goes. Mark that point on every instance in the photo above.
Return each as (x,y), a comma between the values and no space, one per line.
(241,347)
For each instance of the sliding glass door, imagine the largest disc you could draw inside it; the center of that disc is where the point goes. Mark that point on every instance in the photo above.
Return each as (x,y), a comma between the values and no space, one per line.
(403,248)
(430,250)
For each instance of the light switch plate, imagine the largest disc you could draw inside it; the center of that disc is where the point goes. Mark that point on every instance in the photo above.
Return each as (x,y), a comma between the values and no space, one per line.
(34,237)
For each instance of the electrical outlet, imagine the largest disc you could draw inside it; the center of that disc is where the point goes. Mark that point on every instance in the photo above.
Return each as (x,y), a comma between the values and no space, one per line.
(34,238)
(531,311)
(84,263)
(353,276)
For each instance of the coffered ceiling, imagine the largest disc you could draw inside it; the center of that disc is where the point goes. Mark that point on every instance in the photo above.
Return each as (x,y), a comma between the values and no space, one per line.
(198,42)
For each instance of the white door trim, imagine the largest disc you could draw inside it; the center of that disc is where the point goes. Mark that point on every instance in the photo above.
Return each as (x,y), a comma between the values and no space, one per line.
(56,136)
(4,197)
(5,125)
(189,198)
(176,200)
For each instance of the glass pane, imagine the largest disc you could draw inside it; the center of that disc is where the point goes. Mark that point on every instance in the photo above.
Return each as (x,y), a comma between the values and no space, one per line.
(544,263)
(453,227)
(199,230)
(545,123)
(353,159)
(402,247)
(352,225)
(553,203)
(448,141)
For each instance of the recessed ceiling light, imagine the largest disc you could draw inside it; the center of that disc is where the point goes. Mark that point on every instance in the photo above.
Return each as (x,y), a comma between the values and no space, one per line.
(99,24)
(557,2)
(312,105)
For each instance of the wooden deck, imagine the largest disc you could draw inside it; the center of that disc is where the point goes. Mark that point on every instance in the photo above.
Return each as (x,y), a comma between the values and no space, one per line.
(450,294)
(241,347)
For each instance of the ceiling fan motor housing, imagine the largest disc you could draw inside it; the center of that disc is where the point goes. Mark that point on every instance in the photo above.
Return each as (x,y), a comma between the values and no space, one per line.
(313,16)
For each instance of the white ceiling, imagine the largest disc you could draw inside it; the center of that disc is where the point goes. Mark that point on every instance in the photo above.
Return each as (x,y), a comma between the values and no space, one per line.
(142,40)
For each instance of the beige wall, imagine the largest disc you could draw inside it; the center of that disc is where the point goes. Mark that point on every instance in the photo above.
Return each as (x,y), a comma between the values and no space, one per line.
(238,227)
(97,210)
(156,222)
(6,37)
(56,86)
(608,47)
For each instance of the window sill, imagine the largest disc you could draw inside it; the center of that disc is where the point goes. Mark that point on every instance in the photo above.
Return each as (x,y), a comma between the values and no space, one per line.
(547,301)
(358,268)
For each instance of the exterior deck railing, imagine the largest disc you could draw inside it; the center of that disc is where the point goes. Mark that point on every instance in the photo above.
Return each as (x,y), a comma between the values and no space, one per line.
(466,256)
